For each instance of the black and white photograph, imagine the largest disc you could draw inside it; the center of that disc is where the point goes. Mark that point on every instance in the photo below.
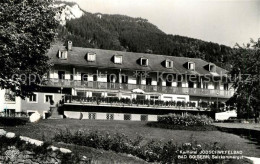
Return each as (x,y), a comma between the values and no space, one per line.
(129,81)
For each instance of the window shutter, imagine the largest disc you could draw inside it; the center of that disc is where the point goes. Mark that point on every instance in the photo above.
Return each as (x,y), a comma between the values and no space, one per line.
(65,55)
(59,54)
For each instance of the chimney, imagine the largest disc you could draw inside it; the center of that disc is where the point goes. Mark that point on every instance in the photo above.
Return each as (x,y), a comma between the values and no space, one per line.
(69,46)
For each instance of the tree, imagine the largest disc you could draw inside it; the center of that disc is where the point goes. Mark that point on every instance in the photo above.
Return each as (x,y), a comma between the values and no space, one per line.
(246,76)
(27,28)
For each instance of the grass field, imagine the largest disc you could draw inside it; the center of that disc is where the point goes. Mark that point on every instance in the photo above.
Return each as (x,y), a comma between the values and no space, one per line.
(48,129)
(253,126)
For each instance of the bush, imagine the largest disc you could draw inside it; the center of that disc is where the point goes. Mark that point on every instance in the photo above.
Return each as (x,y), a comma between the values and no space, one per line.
(204,104)
(179,103)
(13,121)
(173,103)
(191,104)
(41,153)
(151,151)
(185,120)
(181,127)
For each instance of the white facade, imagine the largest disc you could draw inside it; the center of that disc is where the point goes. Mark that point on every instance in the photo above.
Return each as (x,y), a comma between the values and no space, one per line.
(4,104)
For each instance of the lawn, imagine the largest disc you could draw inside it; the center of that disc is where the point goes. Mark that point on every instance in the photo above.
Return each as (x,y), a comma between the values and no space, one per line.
(48,129)
(253,126)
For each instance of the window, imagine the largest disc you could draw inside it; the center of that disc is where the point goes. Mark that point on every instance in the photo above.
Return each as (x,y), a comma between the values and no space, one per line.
(9,95)
(144,117)
(199,85)
(138,80)
(140,97)
(148,81)
(159,82)
(127,116)
(124,79)
(96,94)
(118,59)
(112,78)
(154,97)
(169,64)
(168,83)
(33,98)
(95,78)
(48,98)
(63,54)
(181,98)
(61,75)
(111,95)
(191,66)
(167,98)
(179,84)
(226,86)
(144,62)
(169,80)
(216,85)
(84,77)
(190,84)
(81,93)
(205,85)
(10,112)
(92,116)
(110,116)
(91,57)
(212,68)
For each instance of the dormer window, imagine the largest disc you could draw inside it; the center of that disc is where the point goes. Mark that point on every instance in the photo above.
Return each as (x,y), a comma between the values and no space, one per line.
(118,59)
(168,64)
(63,54)
(91,57)
(212,68)
(191,66)
(144,62)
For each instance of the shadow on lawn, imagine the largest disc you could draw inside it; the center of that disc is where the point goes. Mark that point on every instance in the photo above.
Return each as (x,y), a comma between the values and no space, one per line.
(250,134)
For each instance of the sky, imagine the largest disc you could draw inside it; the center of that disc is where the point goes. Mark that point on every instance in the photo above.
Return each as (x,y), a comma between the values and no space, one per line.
(221,21)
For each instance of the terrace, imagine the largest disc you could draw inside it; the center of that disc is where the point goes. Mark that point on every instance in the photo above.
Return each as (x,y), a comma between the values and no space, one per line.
(137,106)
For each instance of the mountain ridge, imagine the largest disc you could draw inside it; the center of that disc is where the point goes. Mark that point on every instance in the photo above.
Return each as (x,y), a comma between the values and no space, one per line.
(124,33)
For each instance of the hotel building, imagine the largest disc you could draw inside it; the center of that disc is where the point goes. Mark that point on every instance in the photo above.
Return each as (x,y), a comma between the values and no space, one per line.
(104,84)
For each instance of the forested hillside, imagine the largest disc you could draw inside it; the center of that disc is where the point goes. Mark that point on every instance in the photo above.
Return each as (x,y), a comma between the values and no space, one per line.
(118,32)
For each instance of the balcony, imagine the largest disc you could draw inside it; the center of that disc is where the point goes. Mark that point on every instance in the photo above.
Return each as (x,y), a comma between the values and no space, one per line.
(146,88)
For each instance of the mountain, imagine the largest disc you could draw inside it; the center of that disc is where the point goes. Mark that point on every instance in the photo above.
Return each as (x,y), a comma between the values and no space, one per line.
(67,11)
(124,33)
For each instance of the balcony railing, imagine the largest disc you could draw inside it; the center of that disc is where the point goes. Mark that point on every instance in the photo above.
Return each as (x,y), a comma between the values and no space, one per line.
(146,88)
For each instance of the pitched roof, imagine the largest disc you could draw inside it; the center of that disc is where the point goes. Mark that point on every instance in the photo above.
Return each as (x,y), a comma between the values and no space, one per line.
(76,57)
